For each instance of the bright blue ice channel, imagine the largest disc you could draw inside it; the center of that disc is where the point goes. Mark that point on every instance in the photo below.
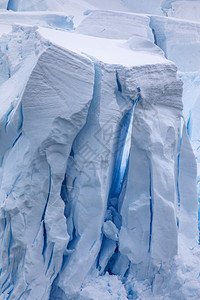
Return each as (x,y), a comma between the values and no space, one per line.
(118,185)
(120,170)
(189,132)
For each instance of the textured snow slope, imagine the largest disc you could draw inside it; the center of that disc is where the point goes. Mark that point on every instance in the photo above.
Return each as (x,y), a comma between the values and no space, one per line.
(93,47)
(97,174)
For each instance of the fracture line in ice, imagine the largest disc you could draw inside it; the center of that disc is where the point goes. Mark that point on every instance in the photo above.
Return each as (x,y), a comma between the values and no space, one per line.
(120,170)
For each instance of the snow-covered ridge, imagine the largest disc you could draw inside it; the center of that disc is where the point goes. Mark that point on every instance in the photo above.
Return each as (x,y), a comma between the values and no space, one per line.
(115,25)
(45,19)
(178,9)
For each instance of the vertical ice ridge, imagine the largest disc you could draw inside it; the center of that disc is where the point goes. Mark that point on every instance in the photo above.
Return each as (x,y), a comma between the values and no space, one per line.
(33,202)
(48,195)
(188,220)
(7,116)
(9,5)
(180,137)
(122,154)
(154,34)
(74,170)
(157,40)
(92,162)
(121,162)
(50,260)
(14,47)
(16,140)
(198,183)
(150,207)
(21,119)
(68,185)
(44,238)
(189,124)
(7,277)
(119,86)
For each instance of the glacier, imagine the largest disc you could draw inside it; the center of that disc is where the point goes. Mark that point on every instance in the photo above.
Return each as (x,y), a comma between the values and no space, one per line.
(99,152)
(186,41)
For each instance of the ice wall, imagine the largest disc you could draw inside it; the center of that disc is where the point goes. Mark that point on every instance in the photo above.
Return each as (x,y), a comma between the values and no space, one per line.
(182,46)
(97,177)
(108,246)
(179,40)
(4,4)
(115,25)
(34,233)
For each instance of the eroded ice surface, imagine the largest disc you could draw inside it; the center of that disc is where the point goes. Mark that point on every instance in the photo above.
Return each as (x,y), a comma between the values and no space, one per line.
(98,190)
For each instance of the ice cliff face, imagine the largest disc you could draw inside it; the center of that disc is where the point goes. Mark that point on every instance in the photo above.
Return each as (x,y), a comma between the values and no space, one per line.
(185,40)
(98,192)
(41,150)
